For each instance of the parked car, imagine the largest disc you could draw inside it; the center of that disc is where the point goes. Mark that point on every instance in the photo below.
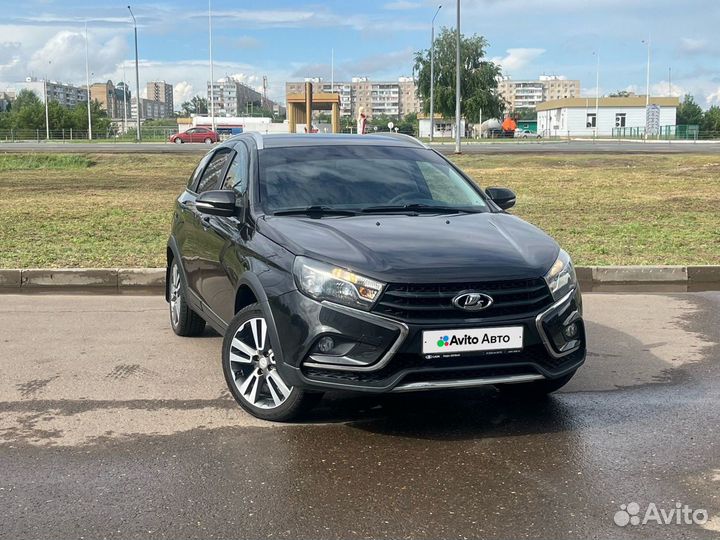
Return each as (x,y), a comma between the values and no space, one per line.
(525,134)
(195,135)
(368,263)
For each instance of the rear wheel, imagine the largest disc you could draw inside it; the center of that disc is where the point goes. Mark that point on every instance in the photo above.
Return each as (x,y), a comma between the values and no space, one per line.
(251,371)
(208,140)
(183,320)
(535,389)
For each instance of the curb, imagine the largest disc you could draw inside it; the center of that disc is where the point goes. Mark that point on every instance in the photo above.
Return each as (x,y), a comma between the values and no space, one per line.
(152,280)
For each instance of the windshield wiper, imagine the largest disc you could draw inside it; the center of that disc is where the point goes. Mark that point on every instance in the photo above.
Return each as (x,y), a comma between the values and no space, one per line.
(417,207)
(315,210)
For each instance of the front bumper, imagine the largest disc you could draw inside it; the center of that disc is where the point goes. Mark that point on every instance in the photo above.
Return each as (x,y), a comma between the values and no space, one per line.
(379,354)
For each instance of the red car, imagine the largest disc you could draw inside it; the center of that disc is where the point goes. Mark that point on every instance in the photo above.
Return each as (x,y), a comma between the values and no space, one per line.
(196,134)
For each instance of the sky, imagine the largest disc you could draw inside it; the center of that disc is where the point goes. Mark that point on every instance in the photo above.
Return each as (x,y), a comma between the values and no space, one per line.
(290,40)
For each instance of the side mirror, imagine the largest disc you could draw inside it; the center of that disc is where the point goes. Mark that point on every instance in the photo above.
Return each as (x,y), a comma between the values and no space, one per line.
(503,197)
(217,203)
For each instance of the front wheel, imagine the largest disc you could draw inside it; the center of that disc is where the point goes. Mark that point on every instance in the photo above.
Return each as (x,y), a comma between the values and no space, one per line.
(535,389)
(178,141)
(250,368)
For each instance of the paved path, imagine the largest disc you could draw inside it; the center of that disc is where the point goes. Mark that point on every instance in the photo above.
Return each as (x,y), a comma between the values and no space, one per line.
(113,427)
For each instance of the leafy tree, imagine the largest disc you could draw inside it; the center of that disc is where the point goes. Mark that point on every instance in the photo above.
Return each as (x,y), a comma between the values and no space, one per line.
(689,112)
(197,105)
(711,120)
(478,77)
(160,122)
(408,124)
(621,93)
(525,113)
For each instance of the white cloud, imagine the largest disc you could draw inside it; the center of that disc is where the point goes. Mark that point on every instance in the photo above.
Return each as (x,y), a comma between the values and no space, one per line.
(663,89)
(517,58)
(693,46)
(182,91)
(713,98)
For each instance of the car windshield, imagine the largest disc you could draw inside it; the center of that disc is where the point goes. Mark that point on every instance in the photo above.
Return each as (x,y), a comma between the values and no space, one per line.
(362,178)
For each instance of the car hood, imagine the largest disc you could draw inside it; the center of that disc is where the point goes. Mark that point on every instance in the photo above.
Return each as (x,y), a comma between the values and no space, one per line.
(420,248)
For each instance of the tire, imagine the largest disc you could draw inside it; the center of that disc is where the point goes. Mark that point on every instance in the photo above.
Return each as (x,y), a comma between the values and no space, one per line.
(534,389)
(178,140)
(251,373)
(183,320)
(208,140)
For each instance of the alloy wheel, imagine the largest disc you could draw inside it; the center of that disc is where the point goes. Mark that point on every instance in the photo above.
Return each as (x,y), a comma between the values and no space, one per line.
(175,295)
(253,367)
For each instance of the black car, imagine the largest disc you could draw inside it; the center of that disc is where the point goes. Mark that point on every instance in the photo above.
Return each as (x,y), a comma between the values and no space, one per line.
(367,263)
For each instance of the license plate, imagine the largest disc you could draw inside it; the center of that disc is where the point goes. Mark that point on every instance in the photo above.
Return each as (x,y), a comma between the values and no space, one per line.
(472,340)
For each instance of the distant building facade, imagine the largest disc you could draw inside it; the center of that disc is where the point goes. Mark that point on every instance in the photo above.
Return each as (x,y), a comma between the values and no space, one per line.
(112,98)
(578,116)
(149,109)
(526,94)
(6,99)
(230,97)
(376,98)
(162,92)
(65,94)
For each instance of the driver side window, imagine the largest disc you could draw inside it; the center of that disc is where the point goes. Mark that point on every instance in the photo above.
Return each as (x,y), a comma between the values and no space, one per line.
(238,172)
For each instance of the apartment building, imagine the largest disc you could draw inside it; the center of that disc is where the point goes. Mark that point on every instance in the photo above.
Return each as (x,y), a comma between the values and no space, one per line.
(149,108)
(65,94)
(6,98)
(390,98)
(526,94)
(162,92)
(111,98)
(233,98)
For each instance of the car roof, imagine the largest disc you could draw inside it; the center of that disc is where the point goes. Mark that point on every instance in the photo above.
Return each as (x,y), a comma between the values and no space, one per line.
(284,140)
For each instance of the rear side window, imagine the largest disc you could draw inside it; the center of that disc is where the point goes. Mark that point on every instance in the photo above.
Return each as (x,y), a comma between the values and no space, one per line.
(214,170)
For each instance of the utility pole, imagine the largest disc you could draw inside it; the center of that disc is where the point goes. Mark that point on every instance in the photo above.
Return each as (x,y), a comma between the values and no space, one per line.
(647,81)
(212,71)
(47,115)
(87,83)
(669,82)
(597,94)
(332,70)
(432,74)
(137,81)
(458,121)
(124,100)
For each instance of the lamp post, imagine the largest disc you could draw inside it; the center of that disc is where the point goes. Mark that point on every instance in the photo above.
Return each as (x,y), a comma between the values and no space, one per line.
(647,86)
(432,74)
(137,80)
(124,100)
(458,121)
(87,84)
(212,71)
(597,93)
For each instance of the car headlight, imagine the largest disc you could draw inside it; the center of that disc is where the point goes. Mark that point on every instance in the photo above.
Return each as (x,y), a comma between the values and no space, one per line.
(327,282)
(561,277)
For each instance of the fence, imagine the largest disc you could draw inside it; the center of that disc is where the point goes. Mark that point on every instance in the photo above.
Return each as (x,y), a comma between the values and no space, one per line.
(148,134)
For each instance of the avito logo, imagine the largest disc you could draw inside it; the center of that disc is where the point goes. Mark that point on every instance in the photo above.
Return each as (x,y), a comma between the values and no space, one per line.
(447,341)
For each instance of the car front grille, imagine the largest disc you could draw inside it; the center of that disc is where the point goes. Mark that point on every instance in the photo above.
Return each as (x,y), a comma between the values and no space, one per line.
(515,298)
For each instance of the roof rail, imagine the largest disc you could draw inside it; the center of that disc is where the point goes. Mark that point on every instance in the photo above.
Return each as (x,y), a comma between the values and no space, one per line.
(256,135)
(403,136)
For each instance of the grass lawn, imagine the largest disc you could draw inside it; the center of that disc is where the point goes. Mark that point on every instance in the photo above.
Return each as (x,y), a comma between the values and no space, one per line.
(108,210)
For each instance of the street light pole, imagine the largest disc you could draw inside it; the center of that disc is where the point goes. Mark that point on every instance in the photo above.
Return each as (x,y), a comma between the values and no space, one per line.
(212,71)
(597,94)
(432,74)
(647,80)
(137,80)
(47,115)
(124,100)
(458,121)
(87,83)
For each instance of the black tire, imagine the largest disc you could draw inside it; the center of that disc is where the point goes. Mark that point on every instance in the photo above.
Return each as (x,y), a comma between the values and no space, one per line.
(208,140)
(534,389)
(183,320)
(238,371)
(178,140)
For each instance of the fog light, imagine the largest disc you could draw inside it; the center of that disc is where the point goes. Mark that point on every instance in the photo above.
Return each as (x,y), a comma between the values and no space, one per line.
(570,331)
(325,344)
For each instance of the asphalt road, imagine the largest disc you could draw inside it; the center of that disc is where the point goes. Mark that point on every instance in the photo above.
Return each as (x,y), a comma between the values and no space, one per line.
(510,147)
(112,427)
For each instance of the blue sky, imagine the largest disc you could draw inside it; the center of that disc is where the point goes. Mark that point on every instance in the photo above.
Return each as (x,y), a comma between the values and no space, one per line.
(286,40)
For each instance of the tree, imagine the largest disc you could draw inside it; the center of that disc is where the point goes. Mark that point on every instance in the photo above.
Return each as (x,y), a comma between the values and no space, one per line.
(689,112)
(197,105)
(711,120)
(621,93)
(525,113)
(478,77)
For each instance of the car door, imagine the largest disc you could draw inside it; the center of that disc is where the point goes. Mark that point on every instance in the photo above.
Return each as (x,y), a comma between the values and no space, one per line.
(225,244)
(199,135)
(198,252)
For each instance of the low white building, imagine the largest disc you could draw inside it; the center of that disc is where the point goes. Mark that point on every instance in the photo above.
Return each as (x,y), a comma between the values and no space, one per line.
(444,127)
(577,117)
